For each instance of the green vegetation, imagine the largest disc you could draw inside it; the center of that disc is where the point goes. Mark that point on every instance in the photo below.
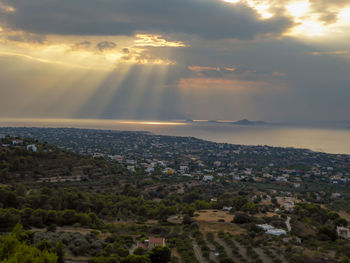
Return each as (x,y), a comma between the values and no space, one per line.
(14,249)
(103,217)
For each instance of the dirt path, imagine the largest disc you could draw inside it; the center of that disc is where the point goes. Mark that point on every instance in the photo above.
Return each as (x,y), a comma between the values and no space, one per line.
(279,255)
(198,251)
(289,227)
(227,248)
(262,255)
(212,250)
(241,249)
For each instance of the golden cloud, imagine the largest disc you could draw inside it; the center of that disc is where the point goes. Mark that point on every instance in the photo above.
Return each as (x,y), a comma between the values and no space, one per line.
(203,68)
(149,40)
(235,85)
(6,8)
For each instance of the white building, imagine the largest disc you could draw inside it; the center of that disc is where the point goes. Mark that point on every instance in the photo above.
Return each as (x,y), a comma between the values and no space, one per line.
(343,232)
(131,168)
(149,170)
(32,147)
(183,167)
(17,142)
(227,208)
(271,230)
(208,178)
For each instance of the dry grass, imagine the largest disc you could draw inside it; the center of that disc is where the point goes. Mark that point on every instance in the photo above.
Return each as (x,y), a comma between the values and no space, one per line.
(208,221)
(267,214)
(344,215)
(213,216)
(216,227)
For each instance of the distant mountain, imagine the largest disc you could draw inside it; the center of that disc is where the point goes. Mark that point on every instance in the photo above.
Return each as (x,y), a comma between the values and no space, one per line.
(248,122)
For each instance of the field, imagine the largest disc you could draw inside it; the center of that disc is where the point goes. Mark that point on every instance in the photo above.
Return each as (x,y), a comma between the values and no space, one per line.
(216,220)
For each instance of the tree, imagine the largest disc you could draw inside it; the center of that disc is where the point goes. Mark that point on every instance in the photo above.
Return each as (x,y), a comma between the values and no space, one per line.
(326,233)
(136,259)
(345,259)
(241,219)
(187,220)
(123,252)
(139,251)
(160,254)
(226,260)
(13,251)
(60,252)
(341,222)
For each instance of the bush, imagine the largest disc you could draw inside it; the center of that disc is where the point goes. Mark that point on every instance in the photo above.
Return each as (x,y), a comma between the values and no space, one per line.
(241,219)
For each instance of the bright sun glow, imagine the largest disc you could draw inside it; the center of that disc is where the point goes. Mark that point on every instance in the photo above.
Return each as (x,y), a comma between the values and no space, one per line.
(298,9)
(261,7)
(309,28)
(308,22)
(344,15)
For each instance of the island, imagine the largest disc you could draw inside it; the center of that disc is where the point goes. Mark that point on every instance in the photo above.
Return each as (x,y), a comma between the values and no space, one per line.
(248,122)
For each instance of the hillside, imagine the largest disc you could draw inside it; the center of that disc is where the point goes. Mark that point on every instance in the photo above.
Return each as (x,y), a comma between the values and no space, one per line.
(98,210)
(48,164)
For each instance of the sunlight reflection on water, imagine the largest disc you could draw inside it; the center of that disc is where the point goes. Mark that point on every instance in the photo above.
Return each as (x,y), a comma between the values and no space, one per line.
(317,139)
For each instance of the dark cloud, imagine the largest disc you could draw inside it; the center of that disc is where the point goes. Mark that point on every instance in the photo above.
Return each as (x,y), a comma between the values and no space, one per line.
(211,19)
(29,38)
(326,9)
(106,45)
(81,45)
(125,50)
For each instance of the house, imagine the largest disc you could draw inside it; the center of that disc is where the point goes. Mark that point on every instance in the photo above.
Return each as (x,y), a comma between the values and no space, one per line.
(131,168)
(276,232)
(97,155)
(149,170)
(183,167)
(281,179)
(343,232)
(207,178)
(217,163)
(271,230)
(32,147)
(266,227)
(289,205)
(130,162)
(168,171)
(152,242)
(17,142)
(336,195)
(297,185)
(227,208)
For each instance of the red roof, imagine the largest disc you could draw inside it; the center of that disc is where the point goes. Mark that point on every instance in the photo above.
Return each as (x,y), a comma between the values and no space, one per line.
(156,241)
(152,242)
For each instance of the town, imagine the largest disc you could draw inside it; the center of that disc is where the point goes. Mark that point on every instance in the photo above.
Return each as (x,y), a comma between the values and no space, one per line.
(145,153)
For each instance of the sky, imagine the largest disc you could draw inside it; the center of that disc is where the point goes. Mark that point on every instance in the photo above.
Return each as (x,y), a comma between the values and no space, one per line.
(271,60)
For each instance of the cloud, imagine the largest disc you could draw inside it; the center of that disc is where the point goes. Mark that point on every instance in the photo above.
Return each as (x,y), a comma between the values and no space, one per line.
(106,45)
(210,19)
(125,50)
(81,45)
(234,85)
(149,40)
(6,8)
(342,53)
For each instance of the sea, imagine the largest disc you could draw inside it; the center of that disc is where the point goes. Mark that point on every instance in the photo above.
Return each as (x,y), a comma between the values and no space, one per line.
(335,140)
